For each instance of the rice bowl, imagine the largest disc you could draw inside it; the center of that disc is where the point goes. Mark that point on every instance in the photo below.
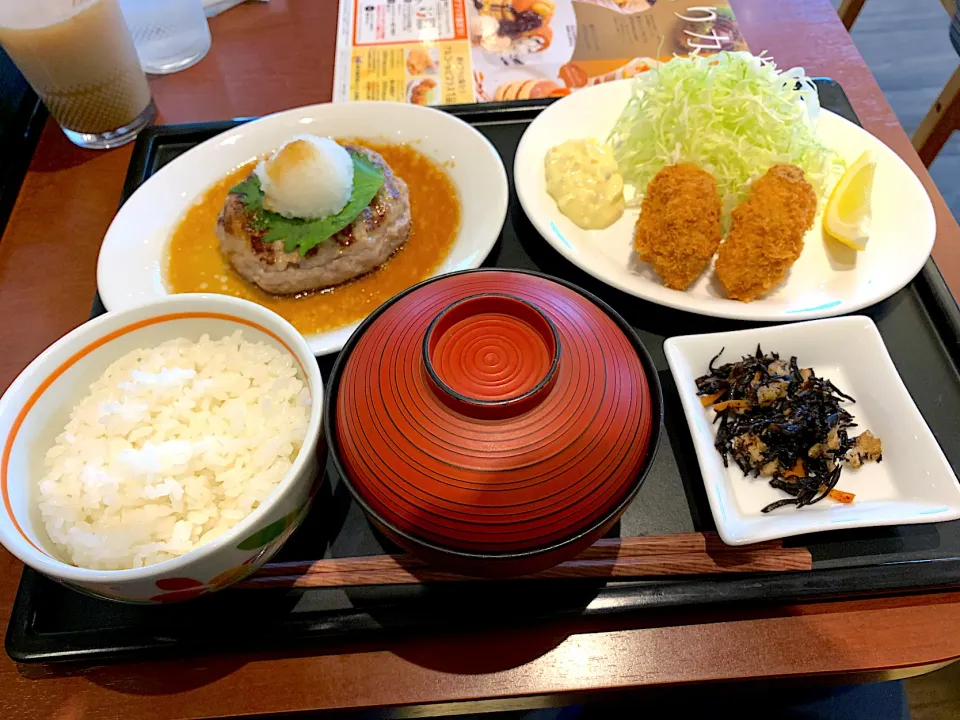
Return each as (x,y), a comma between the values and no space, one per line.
(37,407)
(172,447)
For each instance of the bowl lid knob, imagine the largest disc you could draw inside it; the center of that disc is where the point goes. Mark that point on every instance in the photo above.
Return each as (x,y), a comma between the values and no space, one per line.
(491,355)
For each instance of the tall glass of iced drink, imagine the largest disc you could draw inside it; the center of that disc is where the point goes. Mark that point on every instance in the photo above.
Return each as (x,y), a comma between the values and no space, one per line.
(79,58)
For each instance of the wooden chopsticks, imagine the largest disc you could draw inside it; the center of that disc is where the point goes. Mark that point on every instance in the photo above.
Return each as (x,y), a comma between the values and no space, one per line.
(635,557)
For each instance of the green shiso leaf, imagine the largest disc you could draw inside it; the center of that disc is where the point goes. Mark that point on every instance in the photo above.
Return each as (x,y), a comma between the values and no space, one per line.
(301,234)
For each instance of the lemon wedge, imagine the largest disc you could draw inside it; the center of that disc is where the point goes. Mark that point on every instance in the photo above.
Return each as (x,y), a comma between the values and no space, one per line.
(847,216)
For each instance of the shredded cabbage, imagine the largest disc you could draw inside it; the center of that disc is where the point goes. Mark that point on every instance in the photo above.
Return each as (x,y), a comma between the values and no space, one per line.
(733,114)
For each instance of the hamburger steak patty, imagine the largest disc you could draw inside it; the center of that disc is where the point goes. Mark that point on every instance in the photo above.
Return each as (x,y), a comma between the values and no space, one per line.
(382,227)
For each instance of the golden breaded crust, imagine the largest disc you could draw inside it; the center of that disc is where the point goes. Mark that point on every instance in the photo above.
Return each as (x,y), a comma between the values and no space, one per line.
(766,233)
(678,230)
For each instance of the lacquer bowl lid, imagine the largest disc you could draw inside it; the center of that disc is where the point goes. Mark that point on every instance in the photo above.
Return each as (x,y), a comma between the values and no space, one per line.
(493,412)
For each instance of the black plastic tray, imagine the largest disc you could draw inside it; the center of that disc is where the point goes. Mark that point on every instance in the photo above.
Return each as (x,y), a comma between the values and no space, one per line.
(920,325)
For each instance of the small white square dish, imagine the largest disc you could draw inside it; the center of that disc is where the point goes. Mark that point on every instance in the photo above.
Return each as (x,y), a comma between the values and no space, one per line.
(914,483)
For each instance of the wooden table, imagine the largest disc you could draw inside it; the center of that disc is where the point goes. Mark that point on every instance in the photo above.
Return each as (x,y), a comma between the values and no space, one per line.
(271,57)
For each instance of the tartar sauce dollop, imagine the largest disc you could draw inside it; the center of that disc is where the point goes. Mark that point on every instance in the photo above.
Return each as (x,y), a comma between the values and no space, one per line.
(582,176)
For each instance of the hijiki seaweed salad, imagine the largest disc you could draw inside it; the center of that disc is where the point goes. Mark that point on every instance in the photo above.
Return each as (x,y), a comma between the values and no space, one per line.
(781,421)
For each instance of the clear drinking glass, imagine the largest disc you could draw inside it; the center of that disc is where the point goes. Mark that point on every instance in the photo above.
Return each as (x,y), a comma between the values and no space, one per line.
(169,35)
(79,58)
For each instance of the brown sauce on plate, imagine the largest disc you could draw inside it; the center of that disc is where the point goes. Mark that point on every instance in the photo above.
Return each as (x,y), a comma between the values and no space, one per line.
(195,264)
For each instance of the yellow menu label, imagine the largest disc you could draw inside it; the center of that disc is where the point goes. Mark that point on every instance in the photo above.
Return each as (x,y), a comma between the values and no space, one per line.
(377,74)
(437,74)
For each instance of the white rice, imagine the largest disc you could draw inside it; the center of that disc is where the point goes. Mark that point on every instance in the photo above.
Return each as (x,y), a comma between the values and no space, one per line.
(173,446)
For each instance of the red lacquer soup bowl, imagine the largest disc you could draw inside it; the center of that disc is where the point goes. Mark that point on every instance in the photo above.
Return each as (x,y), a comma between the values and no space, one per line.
(494,422)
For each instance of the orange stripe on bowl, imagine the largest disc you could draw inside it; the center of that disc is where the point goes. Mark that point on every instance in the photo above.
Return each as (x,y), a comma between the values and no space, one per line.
(80,354)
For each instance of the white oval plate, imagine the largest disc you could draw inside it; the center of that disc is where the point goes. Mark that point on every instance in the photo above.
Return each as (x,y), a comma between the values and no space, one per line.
(133,255)
(828,279)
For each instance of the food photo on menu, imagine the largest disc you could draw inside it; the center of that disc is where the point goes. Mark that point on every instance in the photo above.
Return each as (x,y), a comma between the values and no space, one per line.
(556,308)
